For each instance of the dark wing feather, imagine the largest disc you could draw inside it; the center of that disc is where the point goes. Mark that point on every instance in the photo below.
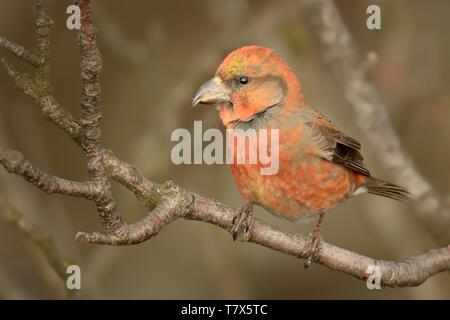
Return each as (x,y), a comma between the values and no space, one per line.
(335,145)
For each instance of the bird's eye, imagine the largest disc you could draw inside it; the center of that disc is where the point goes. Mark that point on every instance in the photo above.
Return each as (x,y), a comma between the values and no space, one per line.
(243,80)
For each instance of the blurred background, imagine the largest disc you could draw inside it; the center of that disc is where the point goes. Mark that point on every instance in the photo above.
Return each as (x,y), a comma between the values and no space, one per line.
(155,55)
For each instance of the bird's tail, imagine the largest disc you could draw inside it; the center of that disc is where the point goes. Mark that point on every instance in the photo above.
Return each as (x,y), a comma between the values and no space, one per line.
(386,189)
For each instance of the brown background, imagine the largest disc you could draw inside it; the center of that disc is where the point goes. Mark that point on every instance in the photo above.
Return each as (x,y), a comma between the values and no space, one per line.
(156,54)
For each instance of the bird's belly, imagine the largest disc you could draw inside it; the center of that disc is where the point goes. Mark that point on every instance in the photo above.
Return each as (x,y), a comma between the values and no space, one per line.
(299,189)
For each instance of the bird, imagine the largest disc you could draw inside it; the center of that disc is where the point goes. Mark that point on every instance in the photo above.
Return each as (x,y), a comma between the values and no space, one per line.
(320,166)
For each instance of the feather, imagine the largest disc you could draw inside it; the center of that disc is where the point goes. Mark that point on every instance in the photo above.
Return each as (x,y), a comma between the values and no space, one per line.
(386,189)
(334,145)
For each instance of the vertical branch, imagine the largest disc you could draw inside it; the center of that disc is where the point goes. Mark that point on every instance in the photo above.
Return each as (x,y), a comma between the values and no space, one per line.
(44,24)
(91,65)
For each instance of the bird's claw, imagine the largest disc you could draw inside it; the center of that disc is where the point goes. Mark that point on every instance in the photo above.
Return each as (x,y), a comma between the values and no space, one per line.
(313,247)
(241,221)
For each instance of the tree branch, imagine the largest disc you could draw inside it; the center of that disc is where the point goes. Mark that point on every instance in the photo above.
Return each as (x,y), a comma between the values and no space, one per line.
(41,239)
(343,59)
(14,162)
(20,52)
(410,272)
(168,202)
(90,132)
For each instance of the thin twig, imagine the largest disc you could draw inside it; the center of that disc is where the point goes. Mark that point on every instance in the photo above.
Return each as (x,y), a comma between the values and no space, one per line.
(20,52)
(14,162)
(41,239)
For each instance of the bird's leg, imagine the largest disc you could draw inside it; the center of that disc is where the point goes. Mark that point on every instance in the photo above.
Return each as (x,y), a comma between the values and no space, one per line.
(314,244)
(241,221)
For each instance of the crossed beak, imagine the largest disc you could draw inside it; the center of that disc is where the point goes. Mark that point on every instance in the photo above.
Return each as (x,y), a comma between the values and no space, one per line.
(212,92)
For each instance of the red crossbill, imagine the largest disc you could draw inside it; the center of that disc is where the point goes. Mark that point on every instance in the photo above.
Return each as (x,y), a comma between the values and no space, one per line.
(319,165)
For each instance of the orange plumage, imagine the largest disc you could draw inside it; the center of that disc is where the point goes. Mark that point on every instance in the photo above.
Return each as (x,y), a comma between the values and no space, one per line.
(319,167)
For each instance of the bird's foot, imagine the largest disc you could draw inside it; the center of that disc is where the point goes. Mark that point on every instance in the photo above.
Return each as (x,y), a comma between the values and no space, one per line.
(314,243)
(241,221)
(313,247)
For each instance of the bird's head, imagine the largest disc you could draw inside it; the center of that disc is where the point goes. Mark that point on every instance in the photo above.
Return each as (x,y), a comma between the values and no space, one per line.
(250,81)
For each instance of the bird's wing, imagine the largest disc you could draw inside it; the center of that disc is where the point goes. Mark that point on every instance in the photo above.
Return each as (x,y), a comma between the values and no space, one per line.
(333,144)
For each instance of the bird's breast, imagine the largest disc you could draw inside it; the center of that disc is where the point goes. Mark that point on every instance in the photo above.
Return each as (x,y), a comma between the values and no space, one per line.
(303,185)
